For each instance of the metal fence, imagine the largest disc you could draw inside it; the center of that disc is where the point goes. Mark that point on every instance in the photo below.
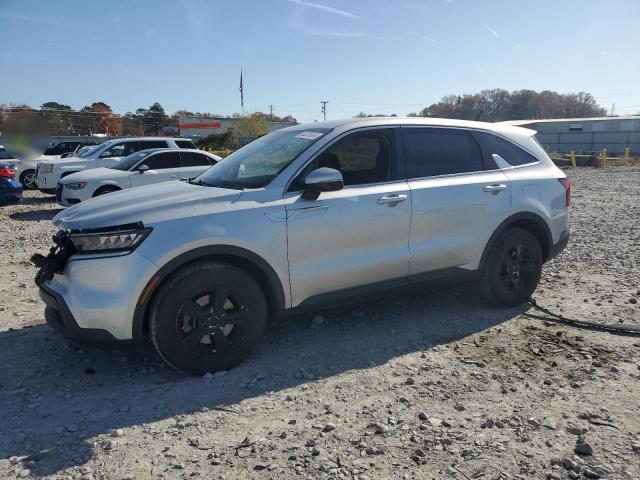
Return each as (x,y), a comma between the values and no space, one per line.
(614,141)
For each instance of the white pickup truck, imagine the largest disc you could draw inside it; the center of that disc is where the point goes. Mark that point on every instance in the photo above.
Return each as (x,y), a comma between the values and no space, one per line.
(107,154)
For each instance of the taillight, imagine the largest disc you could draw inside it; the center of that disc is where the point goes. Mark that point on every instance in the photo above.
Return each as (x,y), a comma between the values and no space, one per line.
(7,172)
(566,183)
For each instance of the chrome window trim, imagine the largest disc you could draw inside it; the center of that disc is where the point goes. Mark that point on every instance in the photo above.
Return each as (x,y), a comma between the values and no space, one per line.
(470,129)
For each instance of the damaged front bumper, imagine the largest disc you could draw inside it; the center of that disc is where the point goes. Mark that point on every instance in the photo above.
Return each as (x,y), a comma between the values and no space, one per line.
(91,296)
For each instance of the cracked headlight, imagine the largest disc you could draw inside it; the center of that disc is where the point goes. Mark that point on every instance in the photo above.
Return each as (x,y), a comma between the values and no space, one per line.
(75,186)
(115,239)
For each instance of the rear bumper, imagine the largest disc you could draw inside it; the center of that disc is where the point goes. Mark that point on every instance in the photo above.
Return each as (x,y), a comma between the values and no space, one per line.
(559,246)
(60,318)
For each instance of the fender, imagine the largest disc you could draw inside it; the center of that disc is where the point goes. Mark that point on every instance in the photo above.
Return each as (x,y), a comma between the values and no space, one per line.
(241,257)
(542,231)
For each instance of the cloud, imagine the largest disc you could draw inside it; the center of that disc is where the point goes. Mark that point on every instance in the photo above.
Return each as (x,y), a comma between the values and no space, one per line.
(492,31)
(31,19)
(198,18)
(424,37)
(610,54)
(319,32)
(324,8)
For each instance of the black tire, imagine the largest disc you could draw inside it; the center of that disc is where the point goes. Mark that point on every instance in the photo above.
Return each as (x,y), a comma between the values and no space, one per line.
(512,269)
(28,180)
(104,191)
(204,339)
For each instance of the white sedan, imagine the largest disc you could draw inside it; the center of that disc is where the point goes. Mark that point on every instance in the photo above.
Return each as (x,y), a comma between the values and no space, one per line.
(141,168)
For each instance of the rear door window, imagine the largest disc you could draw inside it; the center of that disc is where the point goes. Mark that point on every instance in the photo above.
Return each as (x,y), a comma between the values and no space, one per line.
(193,159)
(441,151)
(146,144)
(163,160)
(512,154)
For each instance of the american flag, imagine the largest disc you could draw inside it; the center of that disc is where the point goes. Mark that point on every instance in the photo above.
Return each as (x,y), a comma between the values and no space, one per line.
(241,91)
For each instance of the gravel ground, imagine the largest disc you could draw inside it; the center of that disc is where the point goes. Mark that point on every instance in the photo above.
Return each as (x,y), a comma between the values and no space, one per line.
(432,384)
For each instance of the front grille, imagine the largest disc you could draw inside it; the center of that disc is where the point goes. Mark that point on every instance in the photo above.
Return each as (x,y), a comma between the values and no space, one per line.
(59,192)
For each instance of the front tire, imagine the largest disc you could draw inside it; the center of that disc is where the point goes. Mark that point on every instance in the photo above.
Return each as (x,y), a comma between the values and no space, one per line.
(207,317)
(105,190)
(512,269)
(28,179)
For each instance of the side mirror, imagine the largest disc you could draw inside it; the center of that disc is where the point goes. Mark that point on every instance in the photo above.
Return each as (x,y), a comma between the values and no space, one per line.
(322,180)
(143,168)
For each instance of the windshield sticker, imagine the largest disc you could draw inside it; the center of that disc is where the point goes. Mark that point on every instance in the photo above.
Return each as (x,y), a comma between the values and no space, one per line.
(309,135)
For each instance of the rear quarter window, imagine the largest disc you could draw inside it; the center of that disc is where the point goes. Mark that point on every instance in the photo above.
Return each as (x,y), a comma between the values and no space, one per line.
(185,144)
(511,153)
(193,159)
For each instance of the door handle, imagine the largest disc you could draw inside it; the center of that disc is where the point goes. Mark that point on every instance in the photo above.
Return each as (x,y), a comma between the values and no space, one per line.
(495,188)
(395,198)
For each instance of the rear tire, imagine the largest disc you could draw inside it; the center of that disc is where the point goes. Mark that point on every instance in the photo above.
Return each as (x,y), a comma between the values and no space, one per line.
(28,179)
(512,269)
(207,317)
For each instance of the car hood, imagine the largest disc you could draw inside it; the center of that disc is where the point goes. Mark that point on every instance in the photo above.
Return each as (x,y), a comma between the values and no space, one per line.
(67,161)
(94,174)
(149,204)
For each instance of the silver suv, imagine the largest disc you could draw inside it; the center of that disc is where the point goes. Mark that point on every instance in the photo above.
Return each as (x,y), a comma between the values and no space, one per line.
(300,217)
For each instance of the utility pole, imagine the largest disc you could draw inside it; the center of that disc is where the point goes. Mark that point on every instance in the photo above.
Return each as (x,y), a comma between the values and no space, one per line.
(324,109)
(271,112)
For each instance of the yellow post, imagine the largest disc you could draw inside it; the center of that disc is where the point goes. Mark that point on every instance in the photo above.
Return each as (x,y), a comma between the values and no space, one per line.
(626,156)
(573,158)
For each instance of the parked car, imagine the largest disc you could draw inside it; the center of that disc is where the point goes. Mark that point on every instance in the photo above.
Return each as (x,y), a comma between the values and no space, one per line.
(106,154)
(141,168)
(10,188)
(26,168)
(304,217)
(60,148)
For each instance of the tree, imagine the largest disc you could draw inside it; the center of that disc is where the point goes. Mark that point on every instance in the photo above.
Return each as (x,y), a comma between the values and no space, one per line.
(153,119)
(498,104)
(253,125)
(98,118)
(58,117)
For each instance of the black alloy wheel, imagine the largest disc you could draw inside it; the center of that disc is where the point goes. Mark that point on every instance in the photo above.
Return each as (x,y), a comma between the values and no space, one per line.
(207,317)
(512,268)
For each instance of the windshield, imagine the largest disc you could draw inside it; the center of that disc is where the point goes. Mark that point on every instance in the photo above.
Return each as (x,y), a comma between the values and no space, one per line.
(257,163)
(89,150)
(127,162)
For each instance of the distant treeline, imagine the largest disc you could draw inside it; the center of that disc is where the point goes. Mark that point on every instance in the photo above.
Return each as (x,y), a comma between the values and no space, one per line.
(498,104)
(99,118)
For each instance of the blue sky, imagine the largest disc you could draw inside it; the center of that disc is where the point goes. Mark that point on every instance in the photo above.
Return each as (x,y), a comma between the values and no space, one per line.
(361,55)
